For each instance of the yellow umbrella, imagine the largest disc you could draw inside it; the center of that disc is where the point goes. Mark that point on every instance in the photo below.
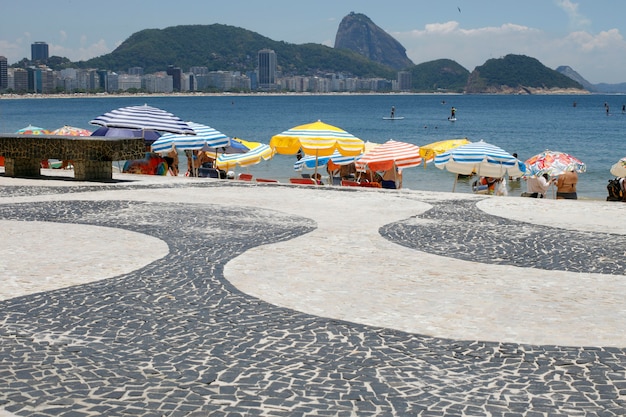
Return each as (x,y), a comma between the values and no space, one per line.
(257,152)
(318,139)
(428,152)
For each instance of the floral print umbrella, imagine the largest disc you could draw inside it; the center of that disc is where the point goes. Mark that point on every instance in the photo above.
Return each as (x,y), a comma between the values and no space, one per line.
(32,130)
(71,131)
(553,163)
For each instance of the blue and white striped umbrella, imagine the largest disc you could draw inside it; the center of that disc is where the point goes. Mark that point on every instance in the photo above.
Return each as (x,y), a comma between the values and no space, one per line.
(143,117)
(308,161)
(205,138)
(480,158)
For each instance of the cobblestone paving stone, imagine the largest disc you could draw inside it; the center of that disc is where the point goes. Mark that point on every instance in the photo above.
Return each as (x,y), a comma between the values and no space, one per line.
(175,338)
(460,230)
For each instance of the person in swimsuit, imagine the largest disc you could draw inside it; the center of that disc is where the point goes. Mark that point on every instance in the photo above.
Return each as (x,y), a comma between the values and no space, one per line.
(566,185)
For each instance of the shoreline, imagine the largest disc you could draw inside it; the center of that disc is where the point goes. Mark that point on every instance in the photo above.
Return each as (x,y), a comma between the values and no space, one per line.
(538,92)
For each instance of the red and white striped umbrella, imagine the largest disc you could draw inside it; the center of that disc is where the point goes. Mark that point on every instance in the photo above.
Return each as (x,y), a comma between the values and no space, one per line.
(384,157)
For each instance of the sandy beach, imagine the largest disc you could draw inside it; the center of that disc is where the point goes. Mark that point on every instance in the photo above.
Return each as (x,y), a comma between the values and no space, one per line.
(349,266)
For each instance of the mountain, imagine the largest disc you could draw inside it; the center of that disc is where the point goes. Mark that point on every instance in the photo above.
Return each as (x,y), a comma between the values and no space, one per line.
(443,75)
(358,33)
(595,88)
(229,48)
(518,74)
(569,72)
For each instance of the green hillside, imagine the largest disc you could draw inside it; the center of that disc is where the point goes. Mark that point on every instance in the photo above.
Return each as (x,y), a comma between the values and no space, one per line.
(439,75)
(516,71)
(229,48)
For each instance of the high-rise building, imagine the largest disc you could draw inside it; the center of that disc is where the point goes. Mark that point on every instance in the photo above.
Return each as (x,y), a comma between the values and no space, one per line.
(404,80)
(39,52)
(20,80)
(267,69)
(4,74)
(177,75)
(34,80)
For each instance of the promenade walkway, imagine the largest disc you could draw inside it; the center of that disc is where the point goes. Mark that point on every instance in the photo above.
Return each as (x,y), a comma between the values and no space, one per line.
(175,296)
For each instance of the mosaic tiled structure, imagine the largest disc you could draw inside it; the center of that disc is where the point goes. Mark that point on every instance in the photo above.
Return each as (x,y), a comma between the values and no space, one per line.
(92,157)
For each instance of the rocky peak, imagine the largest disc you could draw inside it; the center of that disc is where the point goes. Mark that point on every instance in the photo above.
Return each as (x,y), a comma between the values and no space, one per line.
(358,33)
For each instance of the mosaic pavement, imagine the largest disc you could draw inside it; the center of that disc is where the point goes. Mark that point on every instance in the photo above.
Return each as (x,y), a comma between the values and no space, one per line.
(176,339)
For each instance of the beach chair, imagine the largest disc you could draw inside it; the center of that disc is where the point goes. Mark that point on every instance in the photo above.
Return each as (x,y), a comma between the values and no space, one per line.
(303,181)
(265,180)
(245,177)
(208,172)
(348,183)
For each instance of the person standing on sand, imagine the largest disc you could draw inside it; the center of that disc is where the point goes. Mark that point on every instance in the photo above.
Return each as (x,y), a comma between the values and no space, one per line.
(566,185)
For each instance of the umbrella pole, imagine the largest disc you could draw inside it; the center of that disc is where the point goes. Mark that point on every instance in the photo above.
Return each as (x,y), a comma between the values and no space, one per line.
(456,178)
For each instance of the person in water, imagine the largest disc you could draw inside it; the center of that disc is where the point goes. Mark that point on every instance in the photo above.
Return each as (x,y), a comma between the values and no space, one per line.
(393,111)
(452,113)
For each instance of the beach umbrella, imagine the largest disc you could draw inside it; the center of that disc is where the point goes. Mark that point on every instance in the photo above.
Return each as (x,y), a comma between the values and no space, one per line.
(205,138)
(145,118)
(33,130)
(256,153)
(389,155)
(619,168)
(553,163)
(429,151)
(71,131)
(317,139)
(117,132)
(479,158)
(309,161)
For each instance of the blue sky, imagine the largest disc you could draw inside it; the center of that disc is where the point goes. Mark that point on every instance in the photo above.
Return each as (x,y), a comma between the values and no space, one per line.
(587,35)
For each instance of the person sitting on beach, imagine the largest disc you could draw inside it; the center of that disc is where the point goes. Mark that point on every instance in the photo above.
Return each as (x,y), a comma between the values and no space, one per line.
(204,160)
(538,186)
(490,182)
(318,178)
(392,179)
(566,185)
(172,161)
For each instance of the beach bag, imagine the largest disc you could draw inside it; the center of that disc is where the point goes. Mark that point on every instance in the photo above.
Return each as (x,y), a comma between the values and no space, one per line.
(615,190)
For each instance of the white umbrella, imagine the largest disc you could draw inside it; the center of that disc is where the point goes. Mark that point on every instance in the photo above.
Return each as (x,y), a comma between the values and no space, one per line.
(619,168)
(143,117)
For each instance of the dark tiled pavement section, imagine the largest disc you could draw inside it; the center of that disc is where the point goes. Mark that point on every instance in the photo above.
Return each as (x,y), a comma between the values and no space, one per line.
(460,230)
(174,338)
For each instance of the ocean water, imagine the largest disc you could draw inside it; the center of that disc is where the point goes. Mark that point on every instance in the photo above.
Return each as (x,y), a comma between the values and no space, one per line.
(526,125)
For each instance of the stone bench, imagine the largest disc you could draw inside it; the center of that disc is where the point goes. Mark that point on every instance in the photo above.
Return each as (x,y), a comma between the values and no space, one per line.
(91,156)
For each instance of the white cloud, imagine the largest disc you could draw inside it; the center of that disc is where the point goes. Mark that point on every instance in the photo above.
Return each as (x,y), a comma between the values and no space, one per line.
(10,50)
(599,57)
(576,20)
(83,52)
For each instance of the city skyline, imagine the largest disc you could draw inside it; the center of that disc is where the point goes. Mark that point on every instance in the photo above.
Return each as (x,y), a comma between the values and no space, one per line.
(585,35)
